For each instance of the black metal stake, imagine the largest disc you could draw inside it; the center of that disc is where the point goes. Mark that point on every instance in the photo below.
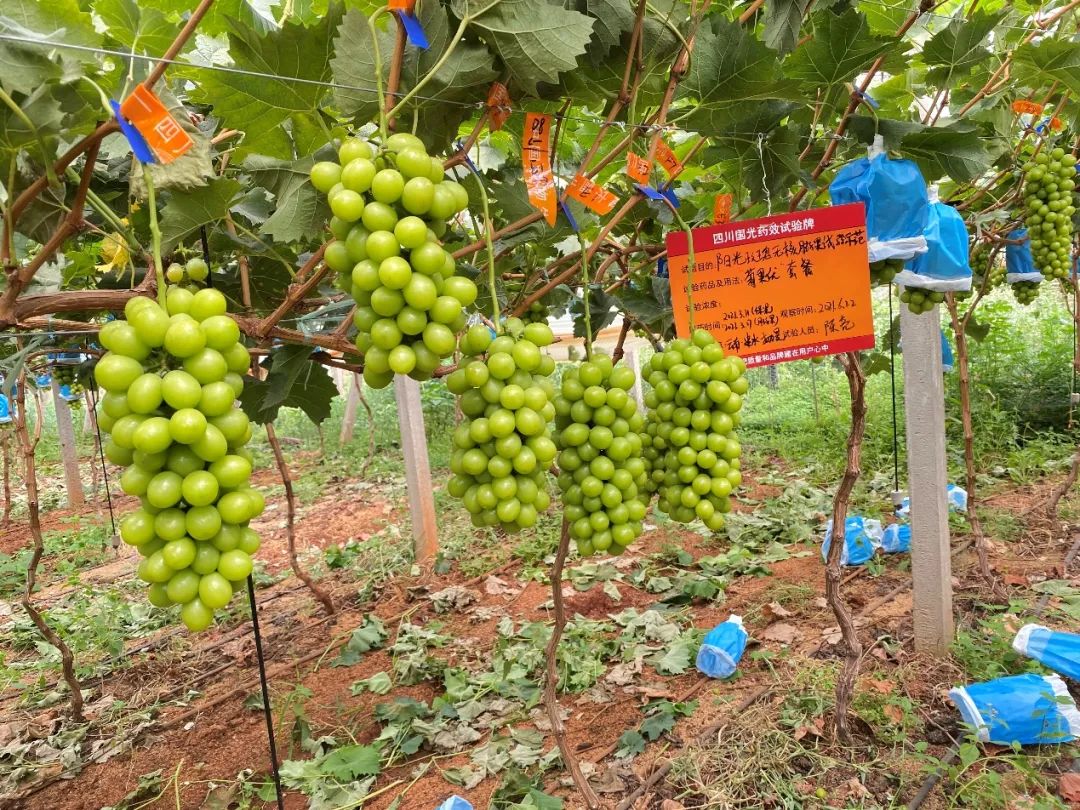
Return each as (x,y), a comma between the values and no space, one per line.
(265,693)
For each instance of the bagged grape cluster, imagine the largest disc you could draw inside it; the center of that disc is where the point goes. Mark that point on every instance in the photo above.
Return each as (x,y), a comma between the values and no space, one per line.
(391,204)
(503,448)
(693,410)
(1049,180)
(884,271)
(1025,292)
(602,471)
(921,300)
(171,377)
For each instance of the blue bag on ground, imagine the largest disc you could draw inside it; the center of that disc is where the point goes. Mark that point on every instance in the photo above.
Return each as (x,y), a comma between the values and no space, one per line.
(956,497)
(894,195)
(944,266)
(1019,263)
(861,536)
(1056,650)
(896,539)
(722,648)
(455,803)
(1026,709)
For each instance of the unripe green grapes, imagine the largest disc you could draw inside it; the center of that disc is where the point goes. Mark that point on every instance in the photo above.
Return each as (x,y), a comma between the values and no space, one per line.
(1025,292)
(537,313)
(985,270)
(884,271)
(391,205)
(693,409)
(603,476)
(1049,181)
(920,300)
(171,377)
(503,448)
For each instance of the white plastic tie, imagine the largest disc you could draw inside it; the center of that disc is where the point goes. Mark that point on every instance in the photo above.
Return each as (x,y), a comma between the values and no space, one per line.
(876,148)
(932,193)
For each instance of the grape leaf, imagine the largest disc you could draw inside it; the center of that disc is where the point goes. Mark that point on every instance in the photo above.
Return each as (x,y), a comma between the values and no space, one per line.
(611,19)
(842,45)
(353,65)
(467,69)
(956,49)
(783,19)
(656,724)
(299,211)
(349,762)
(138,27)
(44,113)
(1051,60)
(630,743)
(187,211)
(294,381)
(885,16)
(730,68)
(891,131)
(259,105)
(535,40)
(62,20)
(957,151)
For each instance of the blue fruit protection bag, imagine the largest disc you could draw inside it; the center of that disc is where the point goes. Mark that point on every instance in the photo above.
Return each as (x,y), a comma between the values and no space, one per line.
(956,497)
(946,353)
(1056,650)
(5,410)
(894,195)
(896,539)
(455,803)
(1019,263)
(722,648)
(861,536)
(944,266)
(1026,709)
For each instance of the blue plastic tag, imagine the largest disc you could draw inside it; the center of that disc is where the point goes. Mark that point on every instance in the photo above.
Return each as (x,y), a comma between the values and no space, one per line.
(413,30)
(465,156)
(654,194)
(569,217)
(662,267)
(134,138)
(869,99)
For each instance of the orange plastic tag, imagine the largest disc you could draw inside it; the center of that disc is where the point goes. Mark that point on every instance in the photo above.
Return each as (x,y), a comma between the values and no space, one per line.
(592,196)
(498,104)
(1020,107)
(721,211)
(1055,124)
(401,5)
(666,158)
(154,122)
(536,163)
(637,168)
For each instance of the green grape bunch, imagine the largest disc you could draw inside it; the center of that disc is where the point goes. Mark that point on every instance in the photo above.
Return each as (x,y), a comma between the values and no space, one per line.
(536,313)
(693,409)
(171,378)
(190,275)
(391,204)
(1025,292)
(503,448)
(884,271)
(1049,180)
(985,268)
(921,300)
(603,476)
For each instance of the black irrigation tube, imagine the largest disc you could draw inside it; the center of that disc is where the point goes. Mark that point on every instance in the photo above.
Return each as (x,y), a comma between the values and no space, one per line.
(931,781)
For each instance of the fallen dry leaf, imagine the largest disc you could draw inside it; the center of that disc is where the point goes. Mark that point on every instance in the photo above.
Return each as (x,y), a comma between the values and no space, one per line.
(894,713)
(1016,579)
(495,586)
(774,610)
(885,687)
(832,636)
(1069,787)
(671,804)
(781,632)
(815,728)
(853,789)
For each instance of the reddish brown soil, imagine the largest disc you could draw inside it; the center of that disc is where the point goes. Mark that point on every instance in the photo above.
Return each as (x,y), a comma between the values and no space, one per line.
(215,737)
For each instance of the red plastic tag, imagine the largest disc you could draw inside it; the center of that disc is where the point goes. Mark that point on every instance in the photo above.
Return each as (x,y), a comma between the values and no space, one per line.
(667,158)
(148,115)
(536,164)
(637,167)
(498,105)
(592,196)
(721,211)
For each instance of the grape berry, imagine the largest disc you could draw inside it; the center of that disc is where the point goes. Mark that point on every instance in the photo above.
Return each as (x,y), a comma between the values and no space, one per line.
(920,300)
(171,377)
(1025,292)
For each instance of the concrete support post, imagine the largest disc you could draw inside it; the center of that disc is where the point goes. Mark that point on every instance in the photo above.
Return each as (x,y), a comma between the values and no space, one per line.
(65,431)
(924,419)
(348,419)
(417,468)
